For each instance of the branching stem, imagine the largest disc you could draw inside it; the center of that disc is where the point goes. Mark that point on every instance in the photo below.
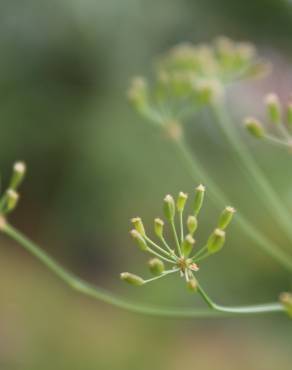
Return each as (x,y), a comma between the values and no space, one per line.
(105,296)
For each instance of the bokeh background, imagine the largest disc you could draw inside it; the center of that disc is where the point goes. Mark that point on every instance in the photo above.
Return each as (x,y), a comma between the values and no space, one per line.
(93,164)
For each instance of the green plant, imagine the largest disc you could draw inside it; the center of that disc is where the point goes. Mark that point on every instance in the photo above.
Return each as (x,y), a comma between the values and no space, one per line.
(187,79)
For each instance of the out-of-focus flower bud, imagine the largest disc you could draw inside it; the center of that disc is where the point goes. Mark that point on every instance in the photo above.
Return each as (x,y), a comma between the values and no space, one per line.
(254,127)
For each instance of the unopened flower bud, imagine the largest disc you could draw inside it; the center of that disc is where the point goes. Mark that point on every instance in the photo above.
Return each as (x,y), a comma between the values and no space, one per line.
(169,208)
(273,108)
(156,266)
(137,93)
(138,224)
(216,241)
(226,217)
(199,198)
(286,300)
(187,245)
(209,91)
(132,279)
(192,224)
(158,227)
(139,239)
(254,127)
(192,285)
(11,200)
(19,170)
(181,201)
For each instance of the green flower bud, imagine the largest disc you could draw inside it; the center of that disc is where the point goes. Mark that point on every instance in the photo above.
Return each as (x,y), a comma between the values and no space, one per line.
(169,208)
(187,245)
(254,127)
(132,279)
(199,198)
(138,224)
(209,91)
(11,200)
(181,201)
(158,227)
(156,266)
(139,239)
(226,217)
(273,108)
(192,285)
(216,241)
(19,170)
(137,93)
(289,114)
(192,224)
(286,300)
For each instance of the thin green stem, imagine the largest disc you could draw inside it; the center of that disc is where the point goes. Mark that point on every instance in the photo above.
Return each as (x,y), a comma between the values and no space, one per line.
(105,296)
(181,224)
(202,256)
(276,141)
(198,173)
(151,251)
(171,251)
(164,273)
(158,247)
(255,175)
(176,238)
(240,310)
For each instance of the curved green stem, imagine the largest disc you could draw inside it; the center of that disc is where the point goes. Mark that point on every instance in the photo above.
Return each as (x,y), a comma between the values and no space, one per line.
(254,174)
(240,310)
(199,174)
(105,296)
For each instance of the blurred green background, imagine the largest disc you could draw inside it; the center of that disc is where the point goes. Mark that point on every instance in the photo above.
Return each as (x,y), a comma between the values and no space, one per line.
(93,164)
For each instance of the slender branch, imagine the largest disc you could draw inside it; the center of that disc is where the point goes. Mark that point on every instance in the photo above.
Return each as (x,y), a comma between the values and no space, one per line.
(255,174)
(276,141)
(181,225)
(198,173)
(168,254)
(241,310)
(164,273)
(107,297)
(176,238)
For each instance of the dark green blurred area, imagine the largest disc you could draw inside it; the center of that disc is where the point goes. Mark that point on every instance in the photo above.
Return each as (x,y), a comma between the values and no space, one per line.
(93,164)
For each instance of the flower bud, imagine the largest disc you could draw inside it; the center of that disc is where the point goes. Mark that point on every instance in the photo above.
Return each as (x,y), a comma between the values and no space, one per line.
(156,266)
(181,201)
(209,91)
(132,279)
(273,108)
(11,200)
(139,239)
(192,285)
(187,245)
(254,127)
(226,217)
(137,93)
(19,170)
(158,227)
(138,224)
(286,300)
(199,198)
(216,241)
(192,224)
(169,208)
